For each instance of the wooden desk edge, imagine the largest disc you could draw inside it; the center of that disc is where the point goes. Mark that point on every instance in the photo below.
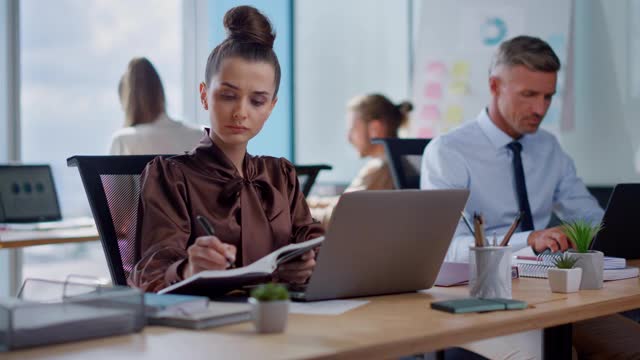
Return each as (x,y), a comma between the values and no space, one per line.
(45,241)
(510,326)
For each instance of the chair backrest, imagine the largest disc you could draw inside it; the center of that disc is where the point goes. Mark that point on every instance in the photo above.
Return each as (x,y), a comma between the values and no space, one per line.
(112,185)
(404,157)
(307,175)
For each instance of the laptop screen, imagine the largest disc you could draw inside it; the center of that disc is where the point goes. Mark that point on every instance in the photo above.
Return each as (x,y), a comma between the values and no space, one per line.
(27,194)
(619,234)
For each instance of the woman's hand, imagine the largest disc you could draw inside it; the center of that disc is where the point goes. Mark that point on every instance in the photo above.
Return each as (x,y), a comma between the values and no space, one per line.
(298,272)
(208,253)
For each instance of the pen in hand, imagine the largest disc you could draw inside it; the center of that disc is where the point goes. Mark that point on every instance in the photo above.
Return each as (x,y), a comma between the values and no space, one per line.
(208,229)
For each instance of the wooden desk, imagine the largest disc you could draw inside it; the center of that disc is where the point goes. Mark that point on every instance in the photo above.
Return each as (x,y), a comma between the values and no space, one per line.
(19,238)
(387,327)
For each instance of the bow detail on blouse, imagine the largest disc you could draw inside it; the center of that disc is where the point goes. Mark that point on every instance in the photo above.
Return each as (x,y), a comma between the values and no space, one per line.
(261,203)
(272,201)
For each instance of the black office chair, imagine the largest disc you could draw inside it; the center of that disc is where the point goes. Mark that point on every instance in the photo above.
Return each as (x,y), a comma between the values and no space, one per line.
(307,175)
(404,156)
(112,185)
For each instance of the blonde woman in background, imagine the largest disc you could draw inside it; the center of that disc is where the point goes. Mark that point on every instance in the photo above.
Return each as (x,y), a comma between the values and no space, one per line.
(147,128)
(369,116)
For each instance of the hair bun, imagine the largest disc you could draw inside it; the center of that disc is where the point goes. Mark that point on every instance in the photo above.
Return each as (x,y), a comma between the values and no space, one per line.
(247,24)
(405,107)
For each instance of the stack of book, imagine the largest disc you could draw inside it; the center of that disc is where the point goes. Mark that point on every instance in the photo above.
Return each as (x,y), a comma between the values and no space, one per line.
(192,312)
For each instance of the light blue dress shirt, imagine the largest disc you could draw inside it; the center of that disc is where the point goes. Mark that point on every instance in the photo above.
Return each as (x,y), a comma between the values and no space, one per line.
(475,157)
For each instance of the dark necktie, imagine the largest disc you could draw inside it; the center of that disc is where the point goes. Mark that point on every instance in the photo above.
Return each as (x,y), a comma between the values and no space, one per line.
(521,186)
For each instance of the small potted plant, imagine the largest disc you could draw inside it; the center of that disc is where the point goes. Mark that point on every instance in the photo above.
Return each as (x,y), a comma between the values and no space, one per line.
(269,307)
(565,278)
(581,233)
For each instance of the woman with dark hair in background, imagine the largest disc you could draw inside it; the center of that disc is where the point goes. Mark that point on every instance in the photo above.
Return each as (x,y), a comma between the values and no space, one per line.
(254,202)
(369,116)
(148,129)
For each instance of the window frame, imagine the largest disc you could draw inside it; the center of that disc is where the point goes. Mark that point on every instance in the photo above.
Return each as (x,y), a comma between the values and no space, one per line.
(10,259)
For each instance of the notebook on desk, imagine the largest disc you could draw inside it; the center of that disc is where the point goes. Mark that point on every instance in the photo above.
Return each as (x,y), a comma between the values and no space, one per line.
(384,242)
(29,201)
(537,266)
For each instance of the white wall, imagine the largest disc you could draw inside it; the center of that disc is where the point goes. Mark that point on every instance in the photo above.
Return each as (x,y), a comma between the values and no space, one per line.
(607,115)
(344,49)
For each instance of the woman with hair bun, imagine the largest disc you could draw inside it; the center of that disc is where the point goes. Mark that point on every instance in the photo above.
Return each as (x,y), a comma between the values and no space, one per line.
(368,116)
(253,202)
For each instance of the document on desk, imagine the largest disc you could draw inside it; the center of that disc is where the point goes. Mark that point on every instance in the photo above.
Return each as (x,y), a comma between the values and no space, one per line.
(328,307)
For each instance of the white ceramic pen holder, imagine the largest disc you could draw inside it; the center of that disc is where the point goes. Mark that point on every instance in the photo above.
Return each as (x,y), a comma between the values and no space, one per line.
(490,272)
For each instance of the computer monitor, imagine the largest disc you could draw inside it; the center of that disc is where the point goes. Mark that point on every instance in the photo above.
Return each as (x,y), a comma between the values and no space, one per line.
(619,236)
(27,194)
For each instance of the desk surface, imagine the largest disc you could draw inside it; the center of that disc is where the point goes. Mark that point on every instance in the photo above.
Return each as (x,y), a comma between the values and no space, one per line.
(22,238)
(389,326)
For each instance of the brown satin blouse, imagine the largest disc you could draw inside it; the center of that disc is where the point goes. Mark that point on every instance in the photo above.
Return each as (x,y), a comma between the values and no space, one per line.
(257,214)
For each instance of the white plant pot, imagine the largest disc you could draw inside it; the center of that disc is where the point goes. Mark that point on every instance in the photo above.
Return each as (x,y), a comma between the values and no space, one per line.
(592,265)
(565,280)
(269,316)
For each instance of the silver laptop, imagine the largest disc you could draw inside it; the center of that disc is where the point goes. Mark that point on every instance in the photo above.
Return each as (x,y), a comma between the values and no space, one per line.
(384,242)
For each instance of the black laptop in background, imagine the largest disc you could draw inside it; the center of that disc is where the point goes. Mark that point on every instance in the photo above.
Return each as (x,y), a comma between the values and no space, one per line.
(620,235)
(28,194)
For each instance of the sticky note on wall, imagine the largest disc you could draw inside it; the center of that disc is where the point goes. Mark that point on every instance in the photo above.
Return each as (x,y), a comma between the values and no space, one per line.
(430,113)
(433,91)
(461,70)
(453,115)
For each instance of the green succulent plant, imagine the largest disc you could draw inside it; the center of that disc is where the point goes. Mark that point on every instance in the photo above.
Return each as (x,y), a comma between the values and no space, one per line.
(581,233)
(270,292)
(564,261)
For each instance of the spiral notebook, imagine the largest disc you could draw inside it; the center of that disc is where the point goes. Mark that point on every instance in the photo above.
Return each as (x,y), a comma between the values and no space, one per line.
(537,267)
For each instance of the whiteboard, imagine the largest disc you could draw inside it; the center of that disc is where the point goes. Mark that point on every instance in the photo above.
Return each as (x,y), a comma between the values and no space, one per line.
(455,42)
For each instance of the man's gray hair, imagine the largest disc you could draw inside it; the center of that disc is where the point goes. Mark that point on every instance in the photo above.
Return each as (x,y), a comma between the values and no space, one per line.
(532,52)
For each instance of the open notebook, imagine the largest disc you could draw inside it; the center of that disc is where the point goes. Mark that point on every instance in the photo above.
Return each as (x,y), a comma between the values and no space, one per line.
(218,282)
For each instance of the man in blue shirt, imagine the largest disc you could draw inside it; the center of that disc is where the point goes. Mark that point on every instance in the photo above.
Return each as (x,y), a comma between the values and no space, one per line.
(483,156)
(512,167)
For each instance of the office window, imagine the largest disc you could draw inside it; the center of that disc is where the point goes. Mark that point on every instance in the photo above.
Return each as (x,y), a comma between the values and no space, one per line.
(72,55)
